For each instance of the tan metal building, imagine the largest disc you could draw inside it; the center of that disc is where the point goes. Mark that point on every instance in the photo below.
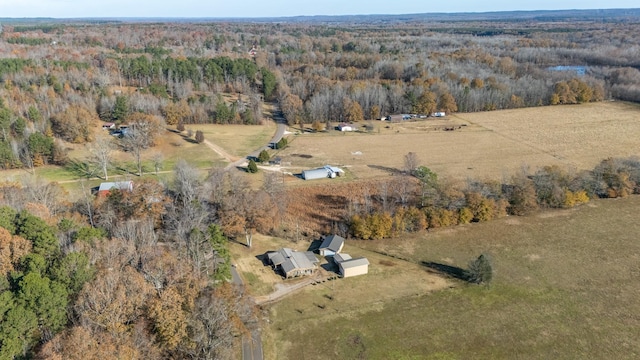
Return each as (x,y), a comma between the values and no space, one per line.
(353,267)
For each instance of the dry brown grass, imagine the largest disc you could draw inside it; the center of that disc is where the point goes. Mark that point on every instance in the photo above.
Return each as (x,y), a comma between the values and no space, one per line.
(491,145)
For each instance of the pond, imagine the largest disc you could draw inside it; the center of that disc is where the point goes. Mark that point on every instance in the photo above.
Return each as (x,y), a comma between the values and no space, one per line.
(579,70)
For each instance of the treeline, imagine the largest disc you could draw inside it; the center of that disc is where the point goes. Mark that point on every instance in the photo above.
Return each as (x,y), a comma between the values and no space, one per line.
(27,41)
(133,274)
(420,201)
(143,71)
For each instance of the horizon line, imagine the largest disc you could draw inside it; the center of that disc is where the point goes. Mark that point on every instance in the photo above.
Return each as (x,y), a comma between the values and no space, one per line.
(315,15)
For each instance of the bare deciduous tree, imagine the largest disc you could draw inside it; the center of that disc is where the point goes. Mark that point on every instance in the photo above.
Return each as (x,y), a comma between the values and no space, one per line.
(101,154)
(411,162)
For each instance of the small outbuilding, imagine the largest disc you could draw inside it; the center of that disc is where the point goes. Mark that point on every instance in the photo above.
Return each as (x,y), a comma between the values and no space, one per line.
(331,245)
(106,187)
(345,127)
(324,172)
(340,257)
(353,267)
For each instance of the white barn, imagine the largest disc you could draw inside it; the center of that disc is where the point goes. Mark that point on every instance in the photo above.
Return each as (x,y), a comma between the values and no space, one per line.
(324,172)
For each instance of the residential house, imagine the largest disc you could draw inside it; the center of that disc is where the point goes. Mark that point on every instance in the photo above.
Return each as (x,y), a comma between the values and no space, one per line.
(293,263)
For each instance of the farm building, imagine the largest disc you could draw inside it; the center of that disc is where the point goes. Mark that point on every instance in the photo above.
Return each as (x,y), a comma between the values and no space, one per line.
(352,267)
(340,257)
(399,117)
(345,127)
(293,263)
(331,245)
(324,172)
(106,187)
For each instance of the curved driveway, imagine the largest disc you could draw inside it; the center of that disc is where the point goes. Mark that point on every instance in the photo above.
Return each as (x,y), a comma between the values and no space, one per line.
(281,126)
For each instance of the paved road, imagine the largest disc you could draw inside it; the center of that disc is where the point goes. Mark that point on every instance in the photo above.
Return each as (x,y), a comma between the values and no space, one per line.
(235,277)
(281,127)
(251,346)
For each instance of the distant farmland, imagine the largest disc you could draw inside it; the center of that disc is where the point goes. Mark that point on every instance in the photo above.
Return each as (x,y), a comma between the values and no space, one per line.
(480,145)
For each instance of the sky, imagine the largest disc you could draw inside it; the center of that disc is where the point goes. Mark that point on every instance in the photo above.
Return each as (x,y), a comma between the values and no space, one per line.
(277,8)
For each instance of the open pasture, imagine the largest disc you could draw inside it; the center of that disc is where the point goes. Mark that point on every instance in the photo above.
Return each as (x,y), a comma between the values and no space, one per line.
(565,286)
(482,145)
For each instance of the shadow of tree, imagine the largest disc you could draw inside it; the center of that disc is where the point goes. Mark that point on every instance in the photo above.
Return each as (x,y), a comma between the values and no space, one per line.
(80,169)
(392,171)
(448,270)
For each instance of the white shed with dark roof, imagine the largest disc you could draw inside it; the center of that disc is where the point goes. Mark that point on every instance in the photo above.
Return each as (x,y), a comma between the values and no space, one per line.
(331,245)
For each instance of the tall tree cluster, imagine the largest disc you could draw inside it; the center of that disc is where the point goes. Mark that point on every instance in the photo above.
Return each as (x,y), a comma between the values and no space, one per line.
(418,200)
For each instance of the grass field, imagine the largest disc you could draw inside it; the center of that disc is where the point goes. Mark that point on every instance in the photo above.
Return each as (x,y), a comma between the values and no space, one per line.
(487,144)
(237,140)
(566,286)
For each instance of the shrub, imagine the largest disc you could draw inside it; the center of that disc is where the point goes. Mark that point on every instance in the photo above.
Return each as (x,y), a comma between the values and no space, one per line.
(465,216)
(572,199)
(199,137)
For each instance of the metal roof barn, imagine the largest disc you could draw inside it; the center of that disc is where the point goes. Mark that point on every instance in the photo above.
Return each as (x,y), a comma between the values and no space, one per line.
(314,174)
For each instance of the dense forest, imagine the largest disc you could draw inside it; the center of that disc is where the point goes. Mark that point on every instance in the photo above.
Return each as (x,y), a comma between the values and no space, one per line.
(140,274)
(144,274)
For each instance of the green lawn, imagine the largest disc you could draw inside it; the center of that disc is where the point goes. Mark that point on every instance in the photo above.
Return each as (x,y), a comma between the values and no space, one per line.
(238,140)
(566,286)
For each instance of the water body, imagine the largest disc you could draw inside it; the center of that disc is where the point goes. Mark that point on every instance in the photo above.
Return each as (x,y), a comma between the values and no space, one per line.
(579,70)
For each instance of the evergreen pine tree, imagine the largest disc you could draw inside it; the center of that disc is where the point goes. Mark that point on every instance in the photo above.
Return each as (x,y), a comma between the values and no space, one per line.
(252,167)
(480,270)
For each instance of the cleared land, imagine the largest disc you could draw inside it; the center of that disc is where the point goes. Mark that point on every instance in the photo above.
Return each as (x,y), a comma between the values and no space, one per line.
(237,140)
(566,285)
(482,145)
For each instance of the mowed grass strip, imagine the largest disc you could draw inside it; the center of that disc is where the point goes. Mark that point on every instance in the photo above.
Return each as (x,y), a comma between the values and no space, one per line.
(237,140)
(566,285)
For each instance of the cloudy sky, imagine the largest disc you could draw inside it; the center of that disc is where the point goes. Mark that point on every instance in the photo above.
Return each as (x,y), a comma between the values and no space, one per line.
(270,8)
